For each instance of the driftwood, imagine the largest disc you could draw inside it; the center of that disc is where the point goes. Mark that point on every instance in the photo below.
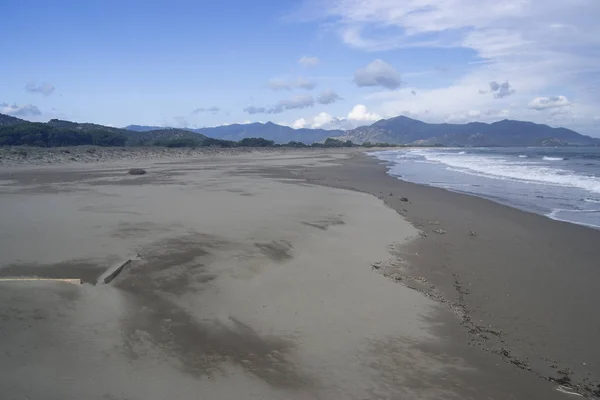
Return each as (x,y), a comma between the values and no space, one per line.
(116,272)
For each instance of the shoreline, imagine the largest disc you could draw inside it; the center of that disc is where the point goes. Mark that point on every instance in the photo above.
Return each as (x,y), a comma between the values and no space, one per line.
(521,283)
(548,213)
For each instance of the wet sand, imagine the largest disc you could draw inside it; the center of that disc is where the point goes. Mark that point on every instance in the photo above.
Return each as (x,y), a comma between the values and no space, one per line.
(524,286)
(247,281)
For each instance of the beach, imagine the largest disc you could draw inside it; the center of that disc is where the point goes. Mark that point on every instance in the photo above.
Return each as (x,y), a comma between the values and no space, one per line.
(523,285)
(296,274)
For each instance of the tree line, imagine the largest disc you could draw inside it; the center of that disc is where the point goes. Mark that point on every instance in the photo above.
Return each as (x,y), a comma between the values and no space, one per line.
(44,135)
(247,142)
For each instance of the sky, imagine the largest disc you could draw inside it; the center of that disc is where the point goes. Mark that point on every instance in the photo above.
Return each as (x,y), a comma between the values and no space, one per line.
(307,63)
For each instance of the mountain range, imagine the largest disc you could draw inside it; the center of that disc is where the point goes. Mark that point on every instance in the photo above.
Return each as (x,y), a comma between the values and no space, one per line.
(399,130)
(404,130)
(270,131)
(407,131)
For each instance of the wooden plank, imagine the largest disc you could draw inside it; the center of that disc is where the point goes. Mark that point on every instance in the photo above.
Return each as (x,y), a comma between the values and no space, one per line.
(31,279)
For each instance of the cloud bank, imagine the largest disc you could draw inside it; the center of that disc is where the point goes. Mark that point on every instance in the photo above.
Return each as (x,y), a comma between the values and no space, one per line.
(279,84)
(328,97)
(308,61)
(544,103)
(501,90)
(44,88)
(212,109)
(25,110)
(297,102)
(377,73)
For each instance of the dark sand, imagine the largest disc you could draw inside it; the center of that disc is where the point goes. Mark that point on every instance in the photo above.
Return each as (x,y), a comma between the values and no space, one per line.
(524,286)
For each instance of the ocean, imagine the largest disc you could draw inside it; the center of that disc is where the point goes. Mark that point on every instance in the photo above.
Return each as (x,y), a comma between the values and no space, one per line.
(560,183)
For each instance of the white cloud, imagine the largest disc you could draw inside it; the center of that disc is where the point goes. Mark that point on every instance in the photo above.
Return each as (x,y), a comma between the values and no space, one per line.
(297,102)
(211,109)
(327,121)
(358,116)
(245,122)
(25,110)
(44,88)
(322,119)
(452,103)
(377,73)
(255,110)
(500,90)
(328,96)
(299,123)
(544,103)
(279,84)
(308,61)
(455,22)
(536,45)
(359,113)
(291,104)
(305,83)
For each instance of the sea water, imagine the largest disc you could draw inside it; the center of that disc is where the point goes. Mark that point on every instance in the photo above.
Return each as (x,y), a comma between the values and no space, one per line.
(561,183)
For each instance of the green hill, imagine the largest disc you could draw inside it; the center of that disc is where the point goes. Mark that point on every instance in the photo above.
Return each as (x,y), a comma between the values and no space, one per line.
(54,133)
(162,136)
(7,120)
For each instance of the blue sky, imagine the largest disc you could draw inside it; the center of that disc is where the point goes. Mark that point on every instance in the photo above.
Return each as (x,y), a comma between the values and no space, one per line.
(326,63)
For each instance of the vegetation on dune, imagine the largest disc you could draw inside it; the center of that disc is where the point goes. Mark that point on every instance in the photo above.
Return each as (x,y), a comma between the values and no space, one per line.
(295,144)
(255,142)
(249,142)
(218,143)
(369,144)
(180,142)
(169,137)
(329,142)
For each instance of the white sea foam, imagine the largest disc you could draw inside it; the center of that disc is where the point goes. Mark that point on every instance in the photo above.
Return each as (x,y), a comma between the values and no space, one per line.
(552,158)
(522,156)
(548,188)
(555,215)
(498,167)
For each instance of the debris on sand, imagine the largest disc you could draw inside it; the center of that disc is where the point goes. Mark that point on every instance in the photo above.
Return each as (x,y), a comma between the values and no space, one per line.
(440,231)
(137,171)
(564,377)
(472,233)
(567,390)
(404,199)
(109,278)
